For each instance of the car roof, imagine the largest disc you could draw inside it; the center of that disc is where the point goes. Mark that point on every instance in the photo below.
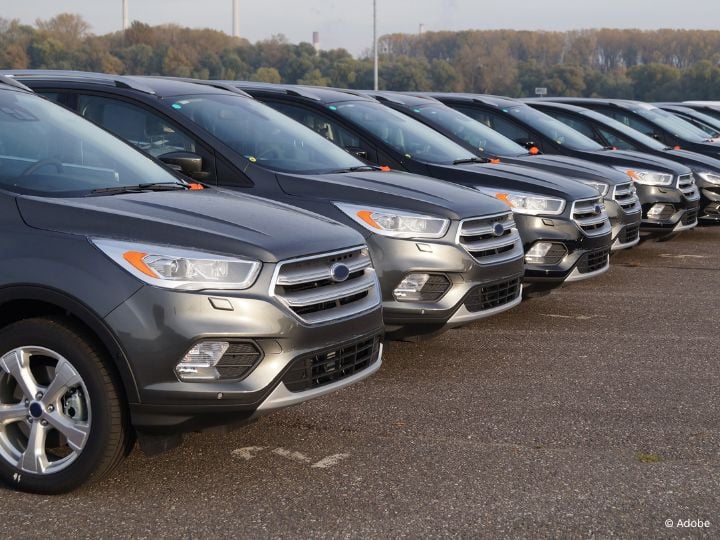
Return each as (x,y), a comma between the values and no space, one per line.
(319,94)
(494,101)
(409,100)
(159,86)
(622,103)
(556,105)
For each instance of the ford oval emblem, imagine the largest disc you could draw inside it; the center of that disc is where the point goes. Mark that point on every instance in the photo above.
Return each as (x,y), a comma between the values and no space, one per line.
(339,272)
(598,209)
(499,229)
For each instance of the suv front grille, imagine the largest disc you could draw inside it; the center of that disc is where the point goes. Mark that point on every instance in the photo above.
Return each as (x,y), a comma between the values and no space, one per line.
(686,184)
(490,240)
(319,369)
(629,233)
(493,295)
(590,216)
(308,288)
(690,216)
(625,196)
(238,361)
(593,261)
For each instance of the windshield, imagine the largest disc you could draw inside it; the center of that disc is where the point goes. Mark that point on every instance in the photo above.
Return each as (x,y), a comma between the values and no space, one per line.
(626,130)
(265,136)
(669,122)
(553,129)
(49,151)
(486,141)
(705,122)
(408,136)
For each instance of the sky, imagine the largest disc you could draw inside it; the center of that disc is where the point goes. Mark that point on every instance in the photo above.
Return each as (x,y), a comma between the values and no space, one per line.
(348,23)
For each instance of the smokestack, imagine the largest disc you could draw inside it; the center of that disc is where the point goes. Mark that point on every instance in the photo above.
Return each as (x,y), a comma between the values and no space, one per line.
(316,41)
(125,18)
(236,18)
(421,30)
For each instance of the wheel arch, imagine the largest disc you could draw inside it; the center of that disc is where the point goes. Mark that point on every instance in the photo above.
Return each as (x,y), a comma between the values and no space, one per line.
(26,301)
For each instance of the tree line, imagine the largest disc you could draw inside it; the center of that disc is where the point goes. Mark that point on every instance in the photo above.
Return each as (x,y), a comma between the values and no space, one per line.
(646,65)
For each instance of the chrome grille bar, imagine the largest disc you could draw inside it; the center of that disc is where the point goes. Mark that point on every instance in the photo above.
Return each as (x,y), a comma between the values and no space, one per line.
(590,216)
(490,239)
(308,287)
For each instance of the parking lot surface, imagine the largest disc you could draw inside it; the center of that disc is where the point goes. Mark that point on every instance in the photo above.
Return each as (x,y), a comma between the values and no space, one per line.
(594,411)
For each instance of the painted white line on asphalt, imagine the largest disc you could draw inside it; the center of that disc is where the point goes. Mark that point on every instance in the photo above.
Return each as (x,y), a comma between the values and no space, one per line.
(247,453)
(575,317)
(330,461)
(295,456)
(670,256)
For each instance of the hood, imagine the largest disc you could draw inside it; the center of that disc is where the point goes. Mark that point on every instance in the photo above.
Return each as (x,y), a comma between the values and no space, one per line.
(208,220)
(697,162)
(570,167)
(639,160)
(513,178)
(392,189)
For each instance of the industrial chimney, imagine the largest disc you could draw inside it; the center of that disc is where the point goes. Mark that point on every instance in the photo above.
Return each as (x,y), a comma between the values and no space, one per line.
(236,18)
(316,41)
(125,18)
(421,29)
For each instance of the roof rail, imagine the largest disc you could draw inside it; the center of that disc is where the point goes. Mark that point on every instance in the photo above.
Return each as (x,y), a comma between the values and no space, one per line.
(289,89)
(119,81)
(9,81)
(221,85)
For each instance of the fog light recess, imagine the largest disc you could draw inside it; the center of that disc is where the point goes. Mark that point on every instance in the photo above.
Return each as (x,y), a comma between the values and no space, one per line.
(421,288)
(661,211)
(546,253)
(210,361)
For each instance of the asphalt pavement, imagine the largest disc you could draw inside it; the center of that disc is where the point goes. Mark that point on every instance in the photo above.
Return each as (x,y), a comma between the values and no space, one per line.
(593,411)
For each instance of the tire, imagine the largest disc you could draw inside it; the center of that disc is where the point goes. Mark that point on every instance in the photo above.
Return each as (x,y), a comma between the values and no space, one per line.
(77,417)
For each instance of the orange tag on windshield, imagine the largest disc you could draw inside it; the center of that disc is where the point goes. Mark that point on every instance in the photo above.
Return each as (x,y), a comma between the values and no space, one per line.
(196,186)
(385,168)
(494,161)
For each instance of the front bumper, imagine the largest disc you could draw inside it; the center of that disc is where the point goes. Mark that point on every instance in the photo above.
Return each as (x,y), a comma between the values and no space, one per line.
(394,259)
(625,227)
(586,257)
(683,217)
(709,213)
(157,327)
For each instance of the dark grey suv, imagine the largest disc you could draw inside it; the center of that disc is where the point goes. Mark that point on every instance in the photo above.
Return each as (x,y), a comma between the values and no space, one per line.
(133,304)
(445,255)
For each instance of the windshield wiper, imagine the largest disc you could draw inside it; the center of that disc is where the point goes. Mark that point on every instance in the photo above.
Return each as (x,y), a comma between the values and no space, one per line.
(470,160)
(359,168)
(140,188)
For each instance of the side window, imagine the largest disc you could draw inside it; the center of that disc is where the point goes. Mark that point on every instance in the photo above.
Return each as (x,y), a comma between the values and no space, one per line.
(136,125)
(632,121)
(510,129)
(321,124)
(614,140)
(576,123)
(144,129)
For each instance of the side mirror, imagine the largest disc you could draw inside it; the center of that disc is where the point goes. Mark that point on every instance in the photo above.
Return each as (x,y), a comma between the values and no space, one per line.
(357,151)
(185,162)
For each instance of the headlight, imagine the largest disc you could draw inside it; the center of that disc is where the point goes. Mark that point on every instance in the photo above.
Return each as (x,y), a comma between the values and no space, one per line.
(527,203)
(179,268)
(710,177)
(602,187)
(396,223)
(650,178)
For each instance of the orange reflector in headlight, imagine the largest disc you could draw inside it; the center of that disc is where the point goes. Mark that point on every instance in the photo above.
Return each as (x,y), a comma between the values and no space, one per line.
(366,216)
(136,259)
(504,197)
